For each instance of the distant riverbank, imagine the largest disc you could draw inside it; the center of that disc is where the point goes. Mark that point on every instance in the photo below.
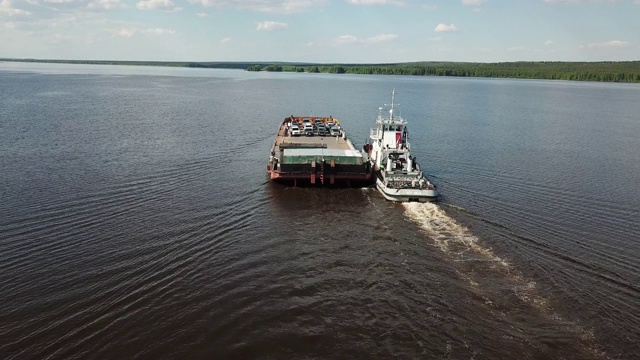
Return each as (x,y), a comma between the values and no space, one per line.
(605,71)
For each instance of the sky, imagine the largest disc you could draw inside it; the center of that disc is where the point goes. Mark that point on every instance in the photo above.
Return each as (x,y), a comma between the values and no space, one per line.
(321,31)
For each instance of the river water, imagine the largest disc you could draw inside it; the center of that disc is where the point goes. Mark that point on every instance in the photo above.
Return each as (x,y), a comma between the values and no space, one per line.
(137,221)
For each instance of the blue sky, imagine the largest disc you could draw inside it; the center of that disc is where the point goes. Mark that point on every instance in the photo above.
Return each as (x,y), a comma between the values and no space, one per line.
(323,31)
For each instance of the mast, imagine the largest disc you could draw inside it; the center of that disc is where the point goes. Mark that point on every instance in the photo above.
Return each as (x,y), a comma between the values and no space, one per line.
(393,97)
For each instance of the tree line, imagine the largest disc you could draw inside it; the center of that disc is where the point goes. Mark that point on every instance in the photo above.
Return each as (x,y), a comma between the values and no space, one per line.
(628,71)
(607,71)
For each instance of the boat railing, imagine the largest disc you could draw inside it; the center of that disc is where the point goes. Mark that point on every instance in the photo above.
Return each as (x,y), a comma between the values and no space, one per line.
(373,134)
(410,184)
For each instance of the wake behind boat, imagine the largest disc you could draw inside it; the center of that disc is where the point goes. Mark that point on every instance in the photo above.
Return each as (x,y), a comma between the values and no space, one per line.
(398,176)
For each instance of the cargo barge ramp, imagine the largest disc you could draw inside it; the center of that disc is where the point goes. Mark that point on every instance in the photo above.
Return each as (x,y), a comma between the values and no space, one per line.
(302,160)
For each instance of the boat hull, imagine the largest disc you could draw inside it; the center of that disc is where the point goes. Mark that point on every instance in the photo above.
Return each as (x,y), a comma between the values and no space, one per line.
(406,195)
(313,177)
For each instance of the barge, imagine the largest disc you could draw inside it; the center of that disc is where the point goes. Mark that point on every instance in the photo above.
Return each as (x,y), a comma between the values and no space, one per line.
(311,150)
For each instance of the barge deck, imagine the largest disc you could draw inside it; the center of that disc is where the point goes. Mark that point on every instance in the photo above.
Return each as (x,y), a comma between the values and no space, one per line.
(317,160)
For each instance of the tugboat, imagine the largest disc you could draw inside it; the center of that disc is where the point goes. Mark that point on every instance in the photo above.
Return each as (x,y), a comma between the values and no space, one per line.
(398,176)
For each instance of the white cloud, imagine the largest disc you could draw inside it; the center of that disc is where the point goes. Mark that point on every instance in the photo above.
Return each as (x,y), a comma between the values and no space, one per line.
(445,28)
(346,39)
(125,32)
(613,44)
(9,26)
(271,25)
(377,2)
(106,4)
(475,3)
(56,38)
(157,5)
(158,31)
(267,6)
(350,39)
(7,9)
(225,40)
(580,1)
(382,38)
(202,15)
(130,32)
(549,42)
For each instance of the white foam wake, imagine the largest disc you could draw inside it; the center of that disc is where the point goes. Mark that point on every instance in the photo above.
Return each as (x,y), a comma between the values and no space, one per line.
(458,242)
(448,235)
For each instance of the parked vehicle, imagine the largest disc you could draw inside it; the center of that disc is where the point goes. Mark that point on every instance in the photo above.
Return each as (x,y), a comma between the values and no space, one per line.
(334,131)
(308,132)
(295,130)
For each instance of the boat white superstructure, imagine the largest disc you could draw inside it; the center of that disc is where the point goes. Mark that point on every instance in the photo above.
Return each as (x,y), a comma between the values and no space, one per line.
(398,176)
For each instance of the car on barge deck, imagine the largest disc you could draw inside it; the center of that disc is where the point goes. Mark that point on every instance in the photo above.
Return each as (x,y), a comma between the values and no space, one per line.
(317,160)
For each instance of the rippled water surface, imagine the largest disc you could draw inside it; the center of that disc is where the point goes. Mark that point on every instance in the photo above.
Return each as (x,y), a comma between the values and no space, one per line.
(136,220)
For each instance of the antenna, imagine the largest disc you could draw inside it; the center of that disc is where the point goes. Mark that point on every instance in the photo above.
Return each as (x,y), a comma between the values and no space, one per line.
(393,97)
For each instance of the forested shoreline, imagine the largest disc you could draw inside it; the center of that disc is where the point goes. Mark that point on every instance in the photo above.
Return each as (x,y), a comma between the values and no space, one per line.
(581,71)
(605,71)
